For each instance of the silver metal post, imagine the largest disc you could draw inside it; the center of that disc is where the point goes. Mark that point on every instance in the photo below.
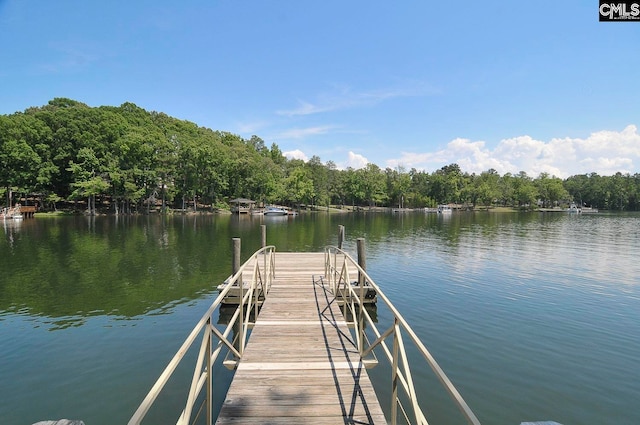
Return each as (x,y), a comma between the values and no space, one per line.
(362,262)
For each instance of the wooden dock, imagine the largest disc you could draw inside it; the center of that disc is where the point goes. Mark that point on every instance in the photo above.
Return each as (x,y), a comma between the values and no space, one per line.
(301,364)
(298,361)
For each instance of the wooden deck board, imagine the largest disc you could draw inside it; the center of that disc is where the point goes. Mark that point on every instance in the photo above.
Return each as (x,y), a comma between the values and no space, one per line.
(300,364)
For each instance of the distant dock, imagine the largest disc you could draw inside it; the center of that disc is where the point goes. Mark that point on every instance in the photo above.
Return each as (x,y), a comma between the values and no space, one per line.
(17,212)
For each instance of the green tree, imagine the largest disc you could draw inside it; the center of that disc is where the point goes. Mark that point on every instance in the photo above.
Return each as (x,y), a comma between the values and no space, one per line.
(420,189)
(398,183)
(320,177)
(276,155)
(131,170)
(551,190)
(18,161)
(526,193)
(88,180)
(507,191)
(258,145)
(485,188)
(447,184)
(299,186)
(372,182)
(353,186)
(335,184)
(618,189)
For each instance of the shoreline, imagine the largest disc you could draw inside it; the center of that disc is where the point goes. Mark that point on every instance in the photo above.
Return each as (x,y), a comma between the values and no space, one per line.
(304,210)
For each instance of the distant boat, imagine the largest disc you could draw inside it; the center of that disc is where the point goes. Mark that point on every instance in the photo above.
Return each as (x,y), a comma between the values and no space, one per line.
(275,211)
(573,209)
(444,209)
(588,210)
(11,213)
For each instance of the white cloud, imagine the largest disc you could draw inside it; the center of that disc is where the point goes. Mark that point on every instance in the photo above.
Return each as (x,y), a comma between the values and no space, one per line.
(296,154)
(304,108)
(299,133)
(344,98)
(355,161)
(603,152)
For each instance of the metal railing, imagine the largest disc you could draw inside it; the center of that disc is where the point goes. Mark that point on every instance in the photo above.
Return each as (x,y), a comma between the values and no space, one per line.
(262,269)
(338,265)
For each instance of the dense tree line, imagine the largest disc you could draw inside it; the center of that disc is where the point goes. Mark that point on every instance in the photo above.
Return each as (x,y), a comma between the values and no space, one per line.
(133,160)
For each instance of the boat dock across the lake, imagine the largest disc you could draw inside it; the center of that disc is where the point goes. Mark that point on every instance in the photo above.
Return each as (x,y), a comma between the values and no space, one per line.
(300,343)
(17,212)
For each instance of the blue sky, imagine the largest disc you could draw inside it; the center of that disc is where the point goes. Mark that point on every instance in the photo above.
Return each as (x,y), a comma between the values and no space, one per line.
(535,86)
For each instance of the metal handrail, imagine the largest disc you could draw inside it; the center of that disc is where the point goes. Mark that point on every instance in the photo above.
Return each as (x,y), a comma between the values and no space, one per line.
(338,264)
(262,275)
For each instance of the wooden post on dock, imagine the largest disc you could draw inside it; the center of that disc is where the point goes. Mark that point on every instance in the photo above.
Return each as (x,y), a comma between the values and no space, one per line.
(362,260)
(340,236)
(235,262)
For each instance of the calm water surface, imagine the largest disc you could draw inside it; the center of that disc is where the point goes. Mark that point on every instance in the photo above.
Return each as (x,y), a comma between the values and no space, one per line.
(532,316)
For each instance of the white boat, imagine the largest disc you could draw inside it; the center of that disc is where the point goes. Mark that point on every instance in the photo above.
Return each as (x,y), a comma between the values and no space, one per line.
(573,209)
(444,209)
(11,213)
(275,211)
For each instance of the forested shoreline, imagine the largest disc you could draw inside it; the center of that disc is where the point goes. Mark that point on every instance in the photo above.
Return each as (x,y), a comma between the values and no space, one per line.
(128,160)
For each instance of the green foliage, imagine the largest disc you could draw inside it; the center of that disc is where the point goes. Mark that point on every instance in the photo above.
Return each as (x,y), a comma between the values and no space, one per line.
(551,190)
(135,160)
(398,183)
(299,186)
(372,184)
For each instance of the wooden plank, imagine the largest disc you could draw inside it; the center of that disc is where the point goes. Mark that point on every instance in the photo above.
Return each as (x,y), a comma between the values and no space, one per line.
(300,364)
(331,411)
(294,420)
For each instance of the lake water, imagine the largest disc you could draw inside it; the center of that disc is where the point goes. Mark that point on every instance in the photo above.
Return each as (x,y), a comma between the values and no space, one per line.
(532,316)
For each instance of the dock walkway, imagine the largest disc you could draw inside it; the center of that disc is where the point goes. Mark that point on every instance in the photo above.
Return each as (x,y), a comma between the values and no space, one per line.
(301,364)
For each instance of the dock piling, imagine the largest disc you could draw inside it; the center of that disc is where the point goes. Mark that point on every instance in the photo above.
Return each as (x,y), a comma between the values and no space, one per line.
(235,262)
(362,260)
(340,236)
